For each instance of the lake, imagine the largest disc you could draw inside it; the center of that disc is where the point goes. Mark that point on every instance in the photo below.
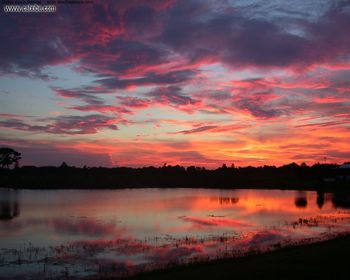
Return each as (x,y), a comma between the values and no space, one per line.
(61,233)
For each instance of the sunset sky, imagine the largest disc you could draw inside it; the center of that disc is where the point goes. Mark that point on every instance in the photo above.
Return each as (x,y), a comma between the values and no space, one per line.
(189,82)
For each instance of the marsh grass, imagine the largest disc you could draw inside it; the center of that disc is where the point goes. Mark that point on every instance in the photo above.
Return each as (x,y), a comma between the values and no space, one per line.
(99,259)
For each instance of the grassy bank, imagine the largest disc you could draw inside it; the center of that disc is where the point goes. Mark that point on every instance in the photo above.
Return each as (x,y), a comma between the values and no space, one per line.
(324,260)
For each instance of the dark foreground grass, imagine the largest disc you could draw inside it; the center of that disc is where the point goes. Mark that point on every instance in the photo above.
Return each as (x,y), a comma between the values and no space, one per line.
(324,260)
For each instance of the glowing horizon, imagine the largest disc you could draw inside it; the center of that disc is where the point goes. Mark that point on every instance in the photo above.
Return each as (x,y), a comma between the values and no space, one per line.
(132,83)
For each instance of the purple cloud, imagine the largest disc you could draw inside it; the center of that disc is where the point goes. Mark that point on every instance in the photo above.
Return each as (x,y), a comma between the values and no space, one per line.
(72,125)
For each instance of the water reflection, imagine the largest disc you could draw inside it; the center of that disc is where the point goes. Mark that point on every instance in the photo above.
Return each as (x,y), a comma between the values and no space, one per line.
(228,200)
(123,231)
(320,199)
(9,206)
(300,199)
(341,200)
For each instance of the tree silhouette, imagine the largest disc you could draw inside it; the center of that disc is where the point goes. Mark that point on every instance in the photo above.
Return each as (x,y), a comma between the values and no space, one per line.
(64,165)
(8,157)
(285,177)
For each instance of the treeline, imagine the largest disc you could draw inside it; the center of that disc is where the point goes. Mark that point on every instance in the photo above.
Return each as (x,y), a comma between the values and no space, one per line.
(284,177)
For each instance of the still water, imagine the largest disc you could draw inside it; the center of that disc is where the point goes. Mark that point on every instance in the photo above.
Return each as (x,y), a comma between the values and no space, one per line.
(63,233)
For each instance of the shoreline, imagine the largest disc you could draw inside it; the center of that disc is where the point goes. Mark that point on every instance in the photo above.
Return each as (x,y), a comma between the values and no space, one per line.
(321,259)
(322,190)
